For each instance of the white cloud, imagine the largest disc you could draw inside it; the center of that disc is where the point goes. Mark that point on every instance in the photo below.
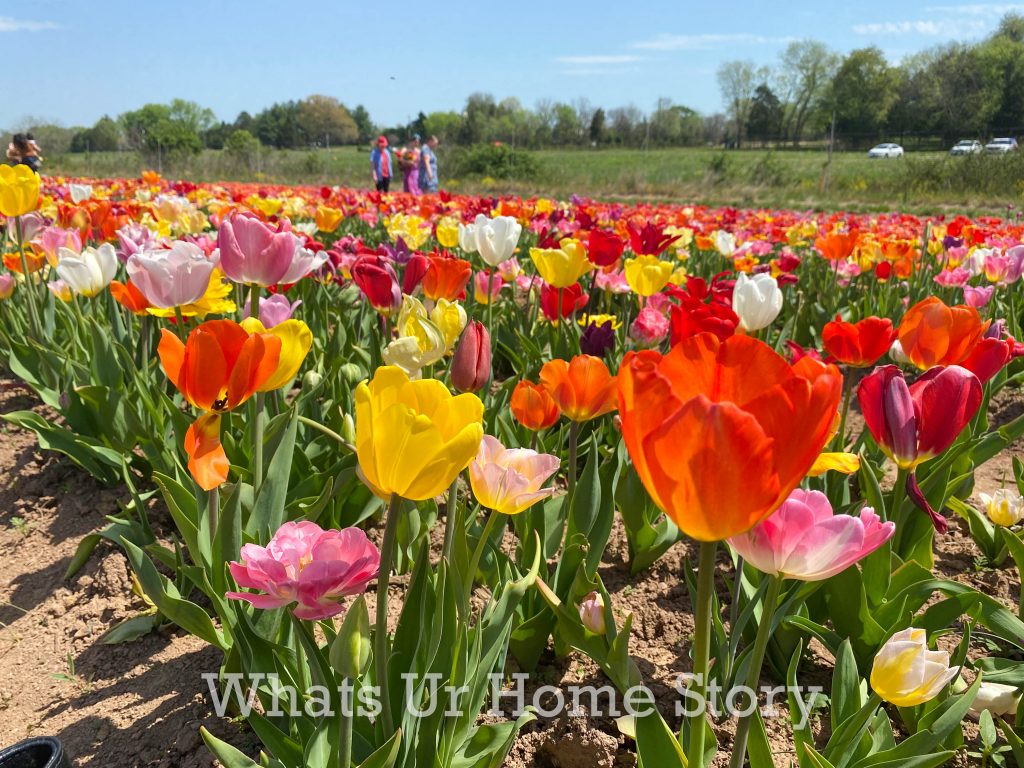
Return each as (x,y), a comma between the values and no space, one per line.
(947,27)
(597,60)
(670,42)
(977,9)
(10,24)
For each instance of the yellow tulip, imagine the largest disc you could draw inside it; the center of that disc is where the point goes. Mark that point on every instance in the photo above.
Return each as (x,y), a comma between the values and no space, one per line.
(296,340)
(327,218)
(847,463)
(447,232)
(450,317)
(561,267)
(215,301)
(647,274)
(19,190)
(906,673)
(414,437)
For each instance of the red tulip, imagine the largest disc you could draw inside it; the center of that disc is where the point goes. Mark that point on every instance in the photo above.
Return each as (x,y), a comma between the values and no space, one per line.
(989,356)
(604,248)
(377,280)
(415,269)
(858,344)
(471,363)
(573,299)
(693,317)
(649,239)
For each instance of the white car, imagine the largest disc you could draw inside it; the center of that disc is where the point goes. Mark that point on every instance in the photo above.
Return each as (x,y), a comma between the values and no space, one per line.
(886,150)
(966,147)
(1001,146)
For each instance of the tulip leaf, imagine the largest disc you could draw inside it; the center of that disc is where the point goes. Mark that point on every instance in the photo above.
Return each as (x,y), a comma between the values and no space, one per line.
(386,756)
(99,461)
(225,753)
(268,510)
(656,744)
(847,697)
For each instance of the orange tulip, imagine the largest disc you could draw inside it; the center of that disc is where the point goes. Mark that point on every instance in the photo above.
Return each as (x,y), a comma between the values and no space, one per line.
(720,433)
(129,297)
(837,246)
(583,389)
(446,277)
(532,406)
(217,369)
(933,334)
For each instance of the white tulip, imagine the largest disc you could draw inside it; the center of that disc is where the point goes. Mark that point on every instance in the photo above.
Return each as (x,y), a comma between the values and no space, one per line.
(467,237)
(897,354)
(997,698)
(304,262)
(757,301)
(80,192)
(89,272)
(496,238)
(906,672)
(725,242)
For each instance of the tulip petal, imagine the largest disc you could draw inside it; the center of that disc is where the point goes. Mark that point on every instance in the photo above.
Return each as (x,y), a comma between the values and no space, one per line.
(206,458)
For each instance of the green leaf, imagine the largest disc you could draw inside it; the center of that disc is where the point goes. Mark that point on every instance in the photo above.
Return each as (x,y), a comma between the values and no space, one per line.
(386,756)
(132,628)
(268,511)
(656,744)
(99,461)
(227,754)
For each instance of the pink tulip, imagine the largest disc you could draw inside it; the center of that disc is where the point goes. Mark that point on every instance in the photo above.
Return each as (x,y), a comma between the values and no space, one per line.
(274,309)
(481,281)
(6,285)
(171,277)
(978,297)
(650,327)
(471,363)
(952,278)
(804,540)
(132,238)
(252,252)
(52,239)
(508,480)
(307,565)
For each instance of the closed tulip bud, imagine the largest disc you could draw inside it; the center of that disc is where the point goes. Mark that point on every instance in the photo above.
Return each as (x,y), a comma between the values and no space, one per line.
(414,272)
(350,651)
(311,379)
(757,301)
(496,238)
(592,613)
(597,339)
(906,673)
(1004,507)
(19,190)
(6,286)
(471,364)
(348,427)
(352,374)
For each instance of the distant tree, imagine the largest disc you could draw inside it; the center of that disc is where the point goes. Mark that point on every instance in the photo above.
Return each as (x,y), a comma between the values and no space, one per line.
(765,119)
(567,126)
(863,92)
(324,120)
(243,147)
(444,125)
(805,70)
(737,81)
(104,136)
(278,125)
(364,125)
(597,127)
(156,129)
(714,128)
(626,126)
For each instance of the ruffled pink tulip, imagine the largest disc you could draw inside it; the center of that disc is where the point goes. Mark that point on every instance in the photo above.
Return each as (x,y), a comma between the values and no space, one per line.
(803,540)
(509,480)
(650,327)
(252,252)
(171,277)
(307,565)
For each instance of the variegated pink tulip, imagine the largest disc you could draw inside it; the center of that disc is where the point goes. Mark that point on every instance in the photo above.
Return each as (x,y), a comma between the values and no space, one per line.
(307,565)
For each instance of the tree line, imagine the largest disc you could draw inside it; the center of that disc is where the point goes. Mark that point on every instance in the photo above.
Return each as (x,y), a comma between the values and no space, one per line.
(958,90)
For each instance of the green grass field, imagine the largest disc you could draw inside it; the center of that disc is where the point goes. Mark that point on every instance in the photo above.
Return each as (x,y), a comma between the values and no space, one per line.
(918,183)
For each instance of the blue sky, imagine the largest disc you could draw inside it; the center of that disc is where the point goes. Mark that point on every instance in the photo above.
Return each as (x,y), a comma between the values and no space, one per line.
(86,59)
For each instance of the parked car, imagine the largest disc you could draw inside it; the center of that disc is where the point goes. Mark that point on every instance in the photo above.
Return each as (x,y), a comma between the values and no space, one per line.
(1001,146)
(966,147)
(886,150)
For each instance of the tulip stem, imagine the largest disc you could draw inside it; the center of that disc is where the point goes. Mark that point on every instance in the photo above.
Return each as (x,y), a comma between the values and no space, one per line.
(345,735)
(381,652)
(33,311)
(451,519)
(899,493)
(847,392)
(180,325)
(478,551)
(574,438)
(327,431)
(212,515)
(702,646)
(257,452)
(490,300)
(764,633)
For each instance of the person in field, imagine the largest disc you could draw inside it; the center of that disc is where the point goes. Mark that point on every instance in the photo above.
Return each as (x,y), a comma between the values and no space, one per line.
(428,166)
(23,150)
(409,162)
(380,161)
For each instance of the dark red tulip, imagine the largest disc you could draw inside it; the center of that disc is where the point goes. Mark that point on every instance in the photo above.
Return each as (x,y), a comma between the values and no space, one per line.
(471,363)
(989,356)
(377,280)
(597,339)
(649,239)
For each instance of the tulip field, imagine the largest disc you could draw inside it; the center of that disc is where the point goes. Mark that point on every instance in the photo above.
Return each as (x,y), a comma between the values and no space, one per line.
(752,475)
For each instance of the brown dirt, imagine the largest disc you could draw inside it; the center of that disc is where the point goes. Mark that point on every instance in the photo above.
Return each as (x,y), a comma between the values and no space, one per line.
(141,703)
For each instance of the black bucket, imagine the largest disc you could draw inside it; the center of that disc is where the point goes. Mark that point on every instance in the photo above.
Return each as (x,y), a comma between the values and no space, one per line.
(44,752)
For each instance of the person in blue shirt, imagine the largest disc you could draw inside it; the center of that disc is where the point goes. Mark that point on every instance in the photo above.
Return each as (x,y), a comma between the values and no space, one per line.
(380,161)
(428,166)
